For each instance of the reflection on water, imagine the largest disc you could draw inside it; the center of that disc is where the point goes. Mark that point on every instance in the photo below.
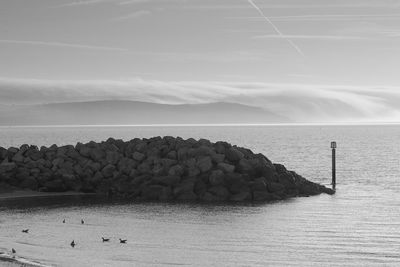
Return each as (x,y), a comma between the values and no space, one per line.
(359,226)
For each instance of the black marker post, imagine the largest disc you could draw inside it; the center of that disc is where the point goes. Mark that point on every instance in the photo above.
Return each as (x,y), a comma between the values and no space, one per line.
(333,146)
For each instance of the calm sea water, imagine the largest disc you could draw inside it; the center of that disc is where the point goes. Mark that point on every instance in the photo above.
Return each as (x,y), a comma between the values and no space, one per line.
(359,226)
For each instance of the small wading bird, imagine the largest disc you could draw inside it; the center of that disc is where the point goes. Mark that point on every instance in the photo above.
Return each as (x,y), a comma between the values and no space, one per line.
(73,243)
(105,239)
(64,221)
(82,221)
(123,241)
(25,230)
(13,251)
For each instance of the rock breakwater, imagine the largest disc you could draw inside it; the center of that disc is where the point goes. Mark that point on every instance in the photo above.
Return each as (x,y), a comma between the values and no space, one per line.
(158,168)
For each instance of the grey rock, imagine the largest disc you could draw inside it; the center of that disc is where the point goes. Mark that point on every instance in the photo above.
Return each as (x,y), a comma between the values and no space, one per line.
(264,196)
(225,167)
(152,192)
(172,155)
(216,177)
(187,196)
(176,170)
(112,157)
(7,166)
(204,164)
(138,156)
(29,182)
(18,157)
(259,184)
(108,170)
(185,186)
(84,151)
(97,154)
(218,158)
(233,154)
(209,197)
(55,186)
(275,187)
(144,168)
(166,180)
(241,196)
(220,191)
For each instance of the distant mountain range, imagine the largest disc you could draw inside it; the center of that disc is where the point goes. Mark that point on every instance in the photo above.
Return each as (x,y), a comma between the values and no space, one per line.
(120,112)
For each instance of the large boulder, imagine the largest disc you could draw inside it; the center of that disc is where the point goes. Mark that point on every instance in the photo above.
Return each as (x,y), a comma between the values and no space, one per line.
(241,196)
(204,164)
(220,191)
(184,187)
(138,156)
(169,180)
(259,184)
(264,196)
(216,177)
(29,182)
(108,170)
(112,157)
(233,154)
(225,167)
(97,154)
(3,153)
(176,170)
(54,186)
(18,157)
(7,166)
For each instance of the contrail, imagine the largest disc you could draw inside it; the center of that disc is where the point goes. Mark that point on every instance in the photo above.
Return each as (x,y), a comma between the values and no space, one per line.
(276,28)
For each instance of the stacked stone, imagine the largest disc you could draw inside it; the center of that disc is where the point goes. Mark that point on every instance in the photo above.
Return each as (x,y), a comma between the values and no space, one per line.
(160,169)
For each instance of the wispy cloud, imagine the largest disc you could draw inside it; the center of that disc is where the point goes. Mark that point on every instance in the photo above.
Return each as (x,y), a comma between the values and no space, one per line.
(300,102)
(134,15)
(129,2)
(82,3)
(60,44)
(276,29)
(307,6)
(336,17)
(325,17)
(310,37)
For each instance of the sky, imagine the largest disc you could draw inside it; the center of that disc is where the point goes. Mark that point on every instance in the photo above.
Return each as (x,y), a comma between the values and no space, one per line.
(303,58)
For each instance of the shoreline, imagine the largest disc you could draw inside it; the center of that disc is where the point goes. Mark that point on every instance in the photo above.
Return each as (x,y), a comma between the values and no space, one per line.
(8,260)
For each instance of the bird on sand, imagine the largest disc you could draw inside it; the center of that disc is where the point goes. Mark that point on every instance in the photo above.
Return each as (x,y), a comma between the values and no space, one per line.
(122,241)
(105,239)
(13,251)
(64,221)
(25,230)
(73,243)
(82,221)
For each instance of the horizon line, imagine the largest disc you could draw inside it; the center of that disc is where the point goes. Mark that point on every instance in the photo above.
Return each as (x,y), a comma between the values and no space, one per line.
(208,124)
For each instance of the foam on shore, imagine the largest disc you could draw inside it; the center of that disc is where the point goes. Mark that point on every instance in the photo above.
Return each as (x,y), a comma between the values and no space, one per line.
(7,259)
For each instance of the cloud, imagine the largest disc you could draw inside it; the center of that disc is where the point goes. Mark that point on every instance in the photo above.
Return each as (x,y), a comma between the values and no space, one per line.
(362,4)
(309,37)
(82,3)
(129,2)
(335,17)
(133,15)
(300,102)
(60,44)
